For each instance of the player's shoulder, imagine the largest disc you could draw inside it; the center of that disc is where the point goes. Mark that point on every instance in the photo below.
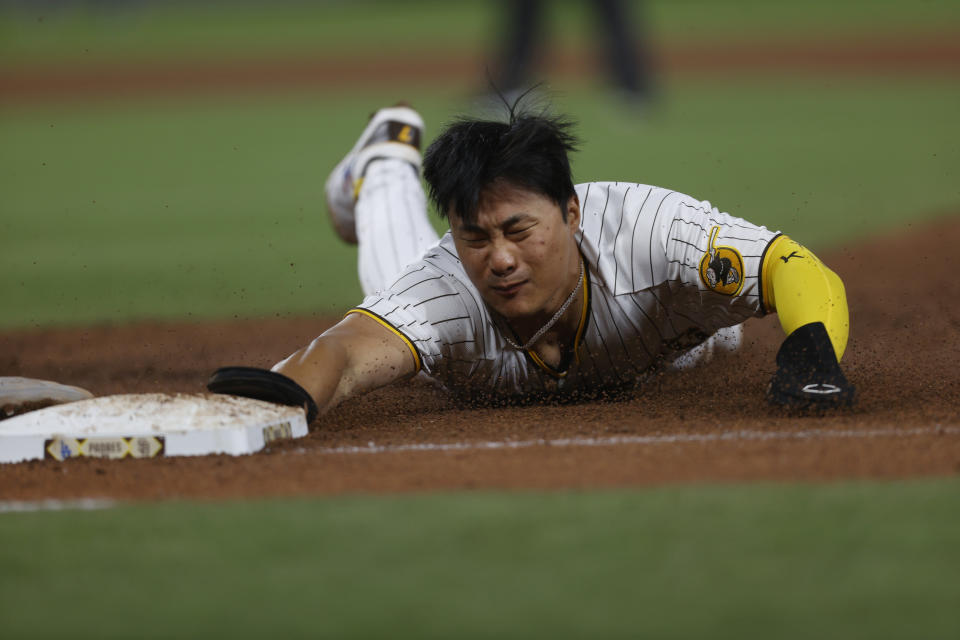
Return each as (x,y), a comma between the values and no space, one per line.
(603,187)
(436,307)
(611,209)
(613,200)
(435,284)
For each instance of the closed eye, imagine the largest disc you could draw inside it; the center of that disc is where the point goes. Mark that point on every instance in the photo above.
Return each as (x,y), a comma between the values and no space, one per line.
(474,241)
(518,232)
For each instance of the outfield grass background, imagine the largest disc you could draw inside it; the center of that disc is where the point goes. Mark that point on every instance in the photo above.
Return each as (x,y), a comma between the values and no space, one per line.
(193,207)
(210,206)
(853,560)
(195,210)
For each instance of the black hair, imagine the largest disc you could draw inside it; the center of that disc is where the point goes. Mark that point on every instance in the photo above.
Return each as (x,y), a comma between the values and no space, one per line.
(472,156)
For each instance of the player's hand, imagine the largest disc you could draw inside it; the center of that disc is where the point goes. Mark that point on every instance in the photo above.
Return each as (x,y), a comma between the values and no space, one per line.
(261,384)
(808,377)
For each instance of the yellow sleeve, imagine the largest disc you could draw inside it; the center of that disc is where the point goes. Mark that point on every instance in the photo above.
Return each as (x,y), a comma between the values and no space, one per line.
(801,289)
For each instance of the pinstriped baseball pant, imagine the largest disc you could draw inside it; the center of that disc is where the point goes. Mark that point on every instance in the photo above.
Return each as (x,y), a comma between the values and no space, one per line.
(391,221)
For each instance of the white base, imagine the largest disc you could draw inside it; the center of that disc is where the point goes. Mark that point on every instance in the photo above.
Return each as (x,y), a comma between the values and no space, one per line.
(149,425)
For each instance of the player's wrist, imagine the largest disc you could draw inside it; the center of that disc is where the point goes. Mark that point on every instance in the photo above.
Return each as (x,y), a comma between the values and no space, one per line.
(262,384)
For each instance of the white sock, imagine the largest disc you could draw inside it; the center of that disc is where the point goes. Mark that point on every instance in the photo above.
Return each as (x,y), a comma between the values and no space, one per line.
(391,220)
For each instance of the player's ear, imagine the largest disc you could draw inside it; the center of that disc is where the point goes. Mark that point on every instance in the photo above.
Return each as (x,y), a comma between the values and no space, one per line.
(573,212)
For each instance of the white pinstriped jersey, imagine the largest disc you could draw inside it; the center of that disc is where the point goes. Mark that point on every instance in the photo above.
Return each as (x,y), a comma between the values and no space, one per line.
(662,275)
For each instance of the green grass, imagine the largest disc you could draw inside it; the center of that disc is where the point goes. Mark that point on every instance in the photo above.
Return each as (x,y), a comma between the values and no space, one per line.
(213,207)
(844,561)
(36,32)
(167,210)
(210,207)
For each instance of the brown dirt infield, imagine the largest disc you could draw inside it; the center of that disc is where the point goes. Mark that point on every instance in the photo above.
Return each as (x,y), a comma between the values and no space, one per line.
(934,53)
(903,356)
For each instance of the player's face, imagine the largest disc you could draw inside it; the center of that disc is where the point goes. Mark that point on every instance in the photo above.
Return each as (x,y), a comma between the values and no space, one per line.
(520,253)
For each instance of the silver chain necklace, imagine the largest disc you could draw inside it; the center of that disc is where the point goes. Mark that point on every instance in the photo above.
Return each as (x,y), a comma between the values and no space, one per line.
(532,341)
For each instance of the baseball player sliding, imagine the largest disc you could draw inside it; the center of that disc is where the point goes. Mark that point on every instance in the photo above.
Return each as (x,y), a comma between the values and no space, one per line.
(542,287)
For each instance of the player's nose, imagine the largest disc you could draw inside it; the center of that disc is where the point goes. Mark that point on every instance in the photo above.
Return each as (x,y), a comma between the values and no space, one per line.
(502,260)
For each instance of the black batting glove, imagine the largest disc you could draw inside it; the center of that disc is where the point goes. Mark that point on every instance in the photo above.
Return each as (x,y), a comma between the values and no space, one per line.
(808,377)
(261,384)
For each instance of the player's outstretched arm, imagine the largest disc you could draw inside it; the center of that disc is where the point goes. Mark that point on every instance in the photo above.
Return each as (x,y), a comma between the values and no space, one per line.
(355,356)
(811,304)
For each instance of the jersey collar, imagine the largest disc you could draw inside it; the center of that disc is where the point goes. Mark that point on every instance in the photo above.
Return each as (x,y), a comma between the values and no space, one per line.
(574,354)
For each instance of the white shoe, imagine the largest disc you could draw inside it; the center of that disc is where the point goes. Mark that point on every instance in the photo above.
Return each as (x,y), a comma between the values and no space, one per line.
(726,339)
(393,132)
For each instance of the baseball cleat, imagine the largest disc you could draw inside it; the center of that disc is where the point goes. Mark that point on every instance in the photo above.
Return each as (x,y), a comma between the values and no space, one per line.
(393,132)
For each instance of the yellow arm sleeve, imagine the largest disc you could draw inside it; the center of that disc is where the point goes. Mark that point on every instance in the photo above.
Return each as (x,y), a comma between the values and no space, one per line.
(801,289)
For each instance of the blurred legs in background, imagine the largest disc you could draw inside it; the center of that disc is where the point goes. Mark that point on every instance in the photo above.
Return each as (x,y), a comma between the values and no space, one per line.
(626,56)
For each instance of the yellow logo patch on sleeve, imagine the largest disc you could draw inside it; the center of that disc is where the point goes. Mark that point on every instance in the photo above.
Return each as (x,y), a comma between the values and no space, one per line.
(721,268)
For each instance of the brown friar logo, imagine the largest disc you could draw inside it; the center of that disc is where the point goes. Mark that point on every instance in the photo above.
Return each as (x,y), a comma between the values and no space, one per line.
(721,268)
